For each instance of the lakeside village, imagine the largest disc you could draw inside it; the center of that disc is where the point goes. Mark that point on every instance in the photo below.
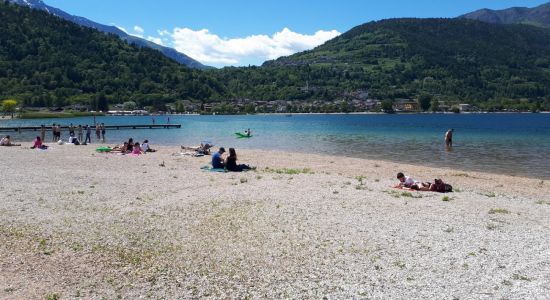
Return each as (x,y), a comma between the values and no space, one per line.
(357,102)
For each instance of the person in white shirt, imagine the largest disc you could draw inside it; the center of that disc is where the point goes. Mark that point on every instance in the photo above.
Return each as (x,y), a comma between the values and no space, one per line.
(408,182)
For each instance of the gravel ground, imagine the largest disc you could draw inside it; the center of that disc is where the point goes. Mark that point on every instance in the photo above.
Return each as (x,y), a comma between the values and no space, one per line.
(78,224)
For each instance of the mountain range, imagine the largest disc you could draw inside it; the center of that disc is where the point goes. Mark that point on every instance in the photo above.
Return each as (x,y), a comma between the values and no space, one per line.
(168,52)
(538,16)
(49,61)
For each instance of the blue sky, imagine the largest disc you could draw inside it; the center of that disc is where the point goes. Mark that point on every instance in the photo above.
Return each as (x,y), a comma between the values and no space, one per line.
(242,32)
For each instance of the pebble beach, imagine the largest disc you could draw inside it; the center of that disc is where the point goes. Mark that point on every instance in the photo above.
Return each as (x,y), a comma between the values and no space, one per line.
(76,224)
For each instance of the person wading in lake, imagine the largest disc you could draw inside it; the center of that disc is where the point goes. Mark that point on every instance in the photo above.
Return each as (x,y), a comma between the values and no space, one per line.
(449,138)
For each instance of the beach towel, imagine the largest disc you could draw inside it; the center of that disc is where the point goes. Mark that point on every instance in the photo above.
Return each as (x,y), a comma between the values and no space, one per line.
(210,169)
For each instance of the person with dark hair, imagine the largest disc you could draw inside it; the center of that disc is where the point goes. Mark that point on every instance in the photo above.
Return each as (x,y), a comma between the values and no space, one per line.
(217,161)
(130,147)
(71,129)
(145,147)
(6,141)
(38,144)
(88,134)
(449,138)
(405,181)
(231,162)
(136,150)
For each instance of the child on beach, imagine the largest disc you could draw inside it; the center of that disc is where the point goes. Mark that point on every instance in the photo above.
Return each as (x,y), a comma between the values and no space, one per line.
(136,149)
(409,183)
(38,144)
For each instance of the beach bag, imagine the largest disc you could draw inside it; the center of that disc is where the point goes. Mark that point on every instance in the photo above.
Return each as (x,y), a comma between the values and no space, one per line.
(441,187)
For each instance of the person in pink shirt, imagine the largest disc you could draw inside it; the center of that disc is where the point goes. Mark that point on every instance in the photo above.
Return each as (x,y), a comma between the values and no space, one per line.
(136,149)
(38,144)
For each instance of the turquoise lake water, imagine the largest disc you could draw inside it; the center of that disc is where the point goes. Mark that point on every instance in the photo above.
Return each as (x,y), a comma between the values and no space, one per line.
(515,144)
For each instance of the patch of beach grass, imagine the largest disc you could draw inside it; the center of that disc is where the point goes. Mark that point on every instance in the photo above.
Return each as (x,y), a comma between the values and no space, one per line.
(446,198)
(491,226)
(243,180)
(542,202)
(259,177)
(399,264)
(289,171)
(449,230)
(521,277)
(461,175)
(54,296)
(489,194)
(493,211)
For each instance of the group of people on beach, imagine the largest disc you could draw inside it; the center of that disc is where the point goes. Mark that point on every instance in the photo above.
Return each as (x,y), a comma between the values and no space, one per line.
(131,147)
(406,182)
(229,163)
(76,133)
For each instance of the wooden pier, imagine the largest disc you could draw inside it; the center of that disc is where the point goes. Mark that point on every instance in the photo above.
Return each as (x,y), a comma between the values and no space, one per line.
(117,127)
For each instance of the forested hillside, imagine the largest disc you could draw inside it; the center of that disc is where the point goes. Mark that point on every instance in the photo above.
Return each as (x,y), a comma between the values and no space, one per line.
(47,61)
(449,58)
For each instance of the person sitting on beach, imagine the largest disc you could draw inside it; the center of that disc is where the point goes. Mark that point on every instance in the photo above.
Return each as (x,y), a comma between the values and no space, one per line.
(130,146)
(231,162)
(73,140)
(145,147)
(217,161)
(120,149)
(6,141)
(136,150)
(38,144)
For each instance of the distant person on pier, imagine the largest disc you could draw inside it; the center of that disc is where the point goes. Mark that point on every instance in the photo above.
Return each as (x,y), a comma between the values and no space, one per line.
(449,138)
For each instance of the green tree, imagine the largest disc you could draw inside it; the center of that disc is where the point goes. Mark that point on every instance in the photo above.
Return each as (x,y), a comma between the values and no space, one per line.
(424,101)
(434,105)
(387,106)
(129,105)
(8,107)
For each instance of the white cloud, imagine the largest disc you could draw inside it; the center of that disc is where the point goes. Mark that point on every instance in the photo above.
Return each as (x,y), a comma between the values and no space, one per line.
(138,29)
(209,48)
(155,40)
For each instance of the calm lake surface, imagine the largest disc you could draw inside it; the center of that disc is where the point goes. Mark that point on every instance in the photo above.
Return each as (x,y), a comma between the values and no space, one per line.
(514,144)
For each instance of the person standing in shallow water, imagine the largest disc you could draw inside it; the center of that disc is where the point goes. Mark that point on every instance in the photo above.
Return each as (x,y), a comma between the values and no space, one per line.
(449,138)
